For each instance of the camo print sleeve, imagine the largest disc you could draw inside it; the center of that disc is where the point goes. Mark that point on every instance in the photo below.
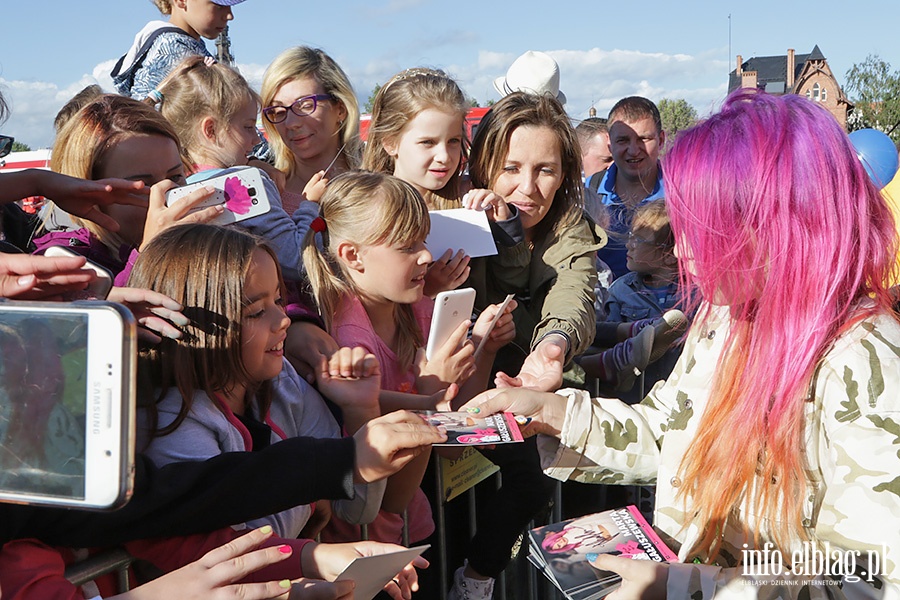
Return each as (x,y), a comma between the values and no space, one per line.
(852,510)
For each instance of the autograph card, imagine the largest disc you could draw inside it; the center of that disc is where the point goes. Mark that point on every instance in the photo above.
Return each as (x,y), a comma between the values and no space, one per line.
(372,573)
(467,429)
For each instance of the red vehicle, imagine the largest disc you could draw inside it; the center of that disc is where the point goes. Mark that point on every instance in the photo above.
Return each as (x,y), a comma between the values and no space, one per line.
(473,119)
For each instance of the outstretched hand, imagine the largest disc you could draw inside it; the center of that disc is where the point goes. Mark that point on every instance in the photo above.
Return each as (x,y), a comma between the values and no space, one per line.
(84,198)
(214,575)
(160,217)
(27,277)
(155,313)
(542,369)
(546,411)
(447,273)
(387,444)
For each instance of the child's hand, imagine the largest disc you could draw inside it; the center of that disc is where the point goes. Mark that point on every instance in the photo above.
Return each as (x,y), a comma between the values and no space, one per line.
(387,444)
(503,333)
(160,217)
(315,187)
(327,561)
(491,203)
(446,273)
(305,345)
(352,380)
(454,362)
(441,400)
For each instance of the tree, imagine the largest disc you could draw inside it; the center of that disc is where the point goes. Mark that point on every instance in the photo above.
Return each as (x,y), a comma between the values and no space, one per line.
(20,147)
(875,93)
(370,103)
(676,115)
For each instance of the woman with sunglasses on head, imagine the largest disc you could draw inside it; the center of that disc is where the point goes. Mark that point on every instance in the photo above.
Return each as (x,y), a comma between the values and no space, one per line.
(311,117)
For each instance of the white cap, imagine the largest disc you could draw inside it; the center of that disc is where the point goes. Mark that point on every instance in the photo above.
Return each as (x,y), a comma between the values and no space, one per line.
(534,73)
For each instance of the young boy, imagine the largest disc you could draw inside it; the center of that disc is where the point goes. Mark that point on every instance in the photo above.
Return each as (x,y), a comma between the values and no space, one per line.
(160,46)
(641,324)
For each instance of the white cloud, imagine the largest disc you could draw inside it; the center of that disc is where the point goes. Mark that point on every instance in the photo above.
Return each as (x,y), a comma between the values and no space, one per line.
(591,77)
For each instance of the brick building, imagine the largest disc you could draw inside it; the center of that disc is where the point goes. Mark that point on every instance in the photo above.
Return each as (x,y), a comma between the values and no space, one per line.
(804,74)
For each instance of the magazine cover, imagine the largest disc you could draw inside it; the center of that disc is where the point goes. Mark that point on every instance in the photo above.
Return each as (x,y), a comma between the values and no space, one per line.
(565,551)
(466,429)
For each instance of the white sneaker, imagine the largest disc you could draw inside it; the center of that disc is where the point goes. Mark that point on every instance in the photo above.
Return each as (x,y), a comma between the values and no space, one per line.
(467,588)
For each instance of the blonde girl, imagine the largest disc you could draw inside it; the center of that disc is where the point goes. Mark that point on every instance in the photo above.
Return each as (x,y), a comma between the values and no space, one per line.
(366,261)
(418,134)
(311,118)
(225,386)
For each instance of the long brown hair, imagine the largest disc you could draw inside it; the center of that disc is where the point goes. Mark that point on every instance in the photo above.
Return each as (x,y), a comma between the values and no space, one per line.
(203,267)
(397,103)
(491,147)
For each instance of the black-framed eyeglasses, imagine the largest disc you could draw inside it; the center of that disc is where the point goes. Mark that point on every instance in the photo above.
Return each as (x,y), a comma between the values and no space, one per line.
(6,144)
(302,107)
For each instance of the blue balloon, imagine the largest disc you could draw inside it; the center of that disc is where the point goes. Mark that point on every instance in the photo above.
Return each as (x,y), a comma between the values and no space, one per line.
(878,155)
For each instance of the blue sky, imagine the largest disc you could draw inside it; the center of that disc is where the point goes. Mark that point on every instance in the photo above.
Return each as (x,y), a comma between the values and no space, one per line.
(606,50)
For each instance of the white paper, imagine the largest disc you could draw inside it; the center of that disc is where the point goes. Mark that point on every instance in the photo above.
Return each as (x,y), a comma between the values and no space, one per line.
(371,573)
(460,228)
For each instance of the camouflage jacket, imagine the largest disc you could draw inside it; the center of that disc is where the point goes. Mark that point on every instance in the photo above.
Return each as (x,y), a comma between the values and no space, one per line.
(852,452)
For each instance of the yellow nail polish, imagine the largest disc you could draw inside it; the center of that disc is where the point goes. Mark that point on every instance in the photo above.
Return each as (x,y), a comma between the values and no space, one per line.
(285,583)
(265,529)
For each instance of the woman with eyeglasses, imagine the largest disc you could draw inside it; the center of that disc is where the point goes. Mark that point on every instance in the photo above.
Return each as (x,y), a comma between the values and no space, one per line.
(311,117)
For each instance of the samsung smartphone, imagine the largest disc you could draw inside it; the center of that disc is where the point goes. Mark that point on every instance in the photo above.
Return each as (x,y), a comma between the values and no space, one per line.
(239,189)
(67,373)
(97,289)
(450,309)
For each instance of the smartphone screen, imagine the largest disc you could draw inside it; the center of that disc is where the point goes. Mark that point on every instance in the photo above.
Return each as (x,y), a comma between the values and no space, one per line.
(66,403)
(42,411)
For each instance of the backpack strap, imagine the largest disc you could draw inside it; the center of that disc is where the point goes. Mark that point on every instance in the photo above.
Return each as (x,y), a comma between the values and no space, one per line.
(127,77)
(593,182)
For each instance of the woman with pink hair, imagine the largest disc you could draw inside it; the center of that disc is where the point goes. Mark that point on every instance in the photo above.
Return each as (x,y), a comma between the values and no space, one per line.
(775,439)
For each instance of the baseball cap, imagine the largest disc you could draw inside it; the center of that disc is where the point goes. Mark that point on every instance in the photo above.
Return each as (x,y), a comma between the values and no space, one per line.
(226,2)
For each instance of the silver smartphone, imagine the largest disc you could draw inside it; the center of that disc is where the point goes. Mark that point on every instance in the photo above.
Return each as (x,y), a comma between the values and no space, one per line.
(67,393)
(450,309)
(239,189)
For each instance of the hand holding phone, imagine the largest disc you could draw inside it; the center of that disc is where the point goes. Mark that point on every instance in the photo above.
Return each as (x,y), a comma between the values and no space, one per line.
(239,190)
(450,310)
(97,289)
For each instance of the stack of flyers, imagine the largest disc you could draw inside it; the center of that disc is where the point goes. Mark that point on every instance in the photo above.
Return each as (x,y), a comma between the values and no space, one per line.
(467,429)
(565,552)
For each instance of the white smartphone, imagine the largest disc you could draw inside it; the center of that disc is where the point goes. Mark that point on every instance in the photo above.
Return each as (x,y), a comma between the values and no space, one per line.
(97,289)
(67,373)
(450,309)
(240,189)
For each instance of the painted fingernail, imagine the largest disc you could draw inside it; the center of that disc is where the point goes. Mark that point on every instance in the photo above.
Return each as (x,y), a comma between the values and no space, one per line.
(473,409)
(523,420)
(285,549)
(285,584)
(265,529)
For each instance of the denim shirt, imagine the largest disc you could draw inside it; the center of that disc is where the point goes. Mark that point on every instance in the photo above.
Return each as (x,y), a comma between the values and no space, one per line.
(613,254)
(631,300)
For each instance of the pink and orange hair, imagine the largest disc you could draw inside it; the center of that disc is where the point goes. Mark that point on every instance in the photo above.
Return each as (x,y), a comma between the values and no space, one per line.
(774,217)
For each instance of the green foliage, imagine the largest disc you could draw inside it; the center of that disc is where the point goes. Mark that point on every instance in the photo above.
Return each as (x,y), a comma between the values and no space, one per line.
(20,147)
(676,115)
(875,92)
(370,103)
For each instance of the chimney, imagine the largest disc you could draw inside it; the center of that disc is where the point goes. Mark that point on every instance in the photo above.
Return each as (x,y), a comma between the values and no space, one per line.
(740,62)
(791,66)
